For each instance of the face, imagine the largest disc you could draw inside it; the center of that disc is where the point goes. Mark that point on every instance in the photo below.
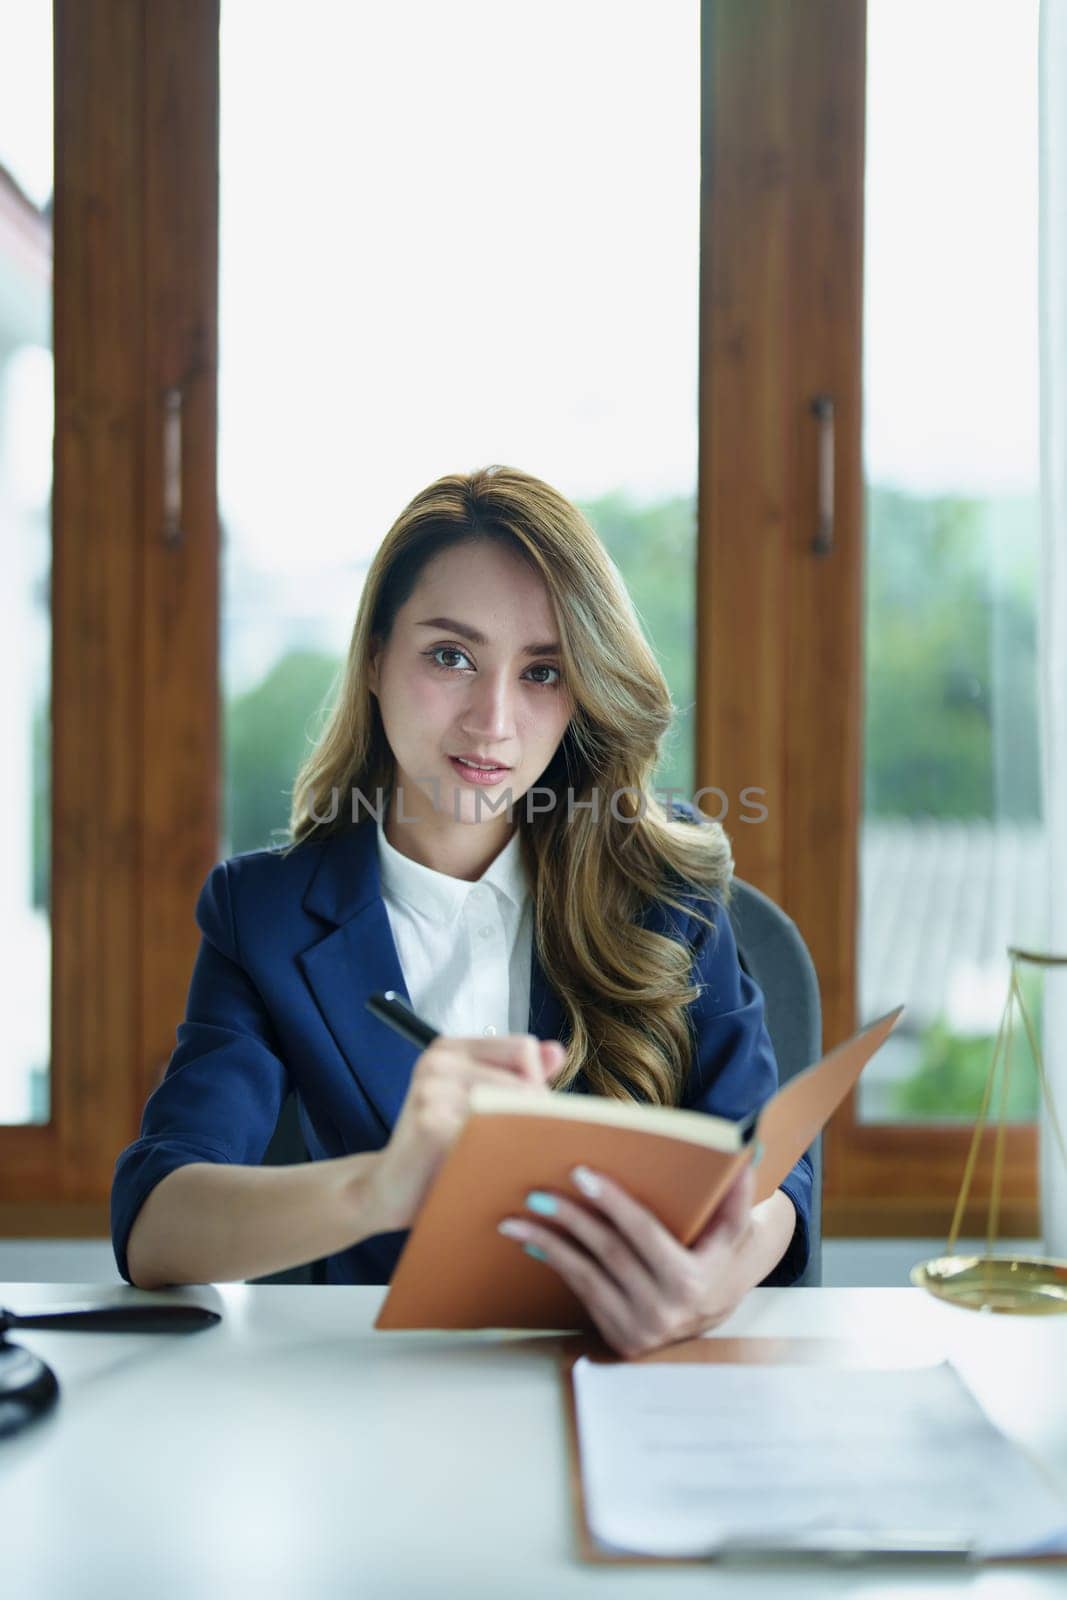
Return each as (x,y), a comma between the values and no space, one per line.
(470,670)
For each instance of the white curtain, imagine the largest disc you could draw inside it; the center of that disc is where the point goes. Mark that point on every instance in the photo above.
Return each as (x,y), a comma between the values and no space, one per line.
(1053,619)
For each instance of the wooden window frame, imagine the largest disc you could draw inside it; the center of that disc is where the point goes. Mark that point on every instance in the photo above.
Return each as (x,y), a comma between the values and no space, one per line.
(135,685)
(135,758)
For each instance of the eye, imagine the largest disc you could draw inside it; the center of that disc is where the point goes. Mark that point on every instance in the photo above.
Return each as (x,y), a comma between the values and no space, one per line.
(544,666)
(445,650)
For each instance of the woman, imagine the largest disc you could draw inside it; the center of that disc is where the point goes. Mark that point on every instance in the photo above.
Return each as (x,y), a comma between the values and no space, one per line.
(475,829)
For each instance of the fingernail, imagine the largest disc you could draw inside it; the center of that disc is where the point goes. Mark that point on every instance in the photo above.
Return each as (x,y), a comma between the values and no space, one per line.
(543,1204)
(514,1228)
(757,1153)
(533,1250)
(587,1181)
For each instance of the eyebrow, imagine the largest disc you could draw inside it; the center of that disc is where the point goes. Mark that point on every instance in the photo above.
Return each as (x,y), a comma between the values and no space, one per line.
(465,631)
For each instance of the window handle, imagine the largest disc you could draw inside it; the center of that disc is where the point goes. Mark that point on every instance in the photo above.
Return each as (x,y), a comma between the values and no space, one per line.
(172,466)
(823,409)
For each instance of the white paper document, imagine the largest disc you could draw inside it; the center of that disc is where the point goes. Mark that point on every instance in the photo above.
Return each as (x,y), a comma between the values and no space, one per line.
(683,1459)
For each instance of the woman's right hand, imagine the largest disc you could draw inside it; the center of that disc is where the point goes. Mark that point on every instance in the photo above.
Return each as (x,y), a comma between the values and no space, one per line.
(436,1107)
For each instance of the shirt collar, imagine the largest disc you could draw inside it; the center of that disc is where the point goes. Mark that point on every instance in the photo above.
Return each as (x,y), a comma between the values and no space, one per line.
(437,895)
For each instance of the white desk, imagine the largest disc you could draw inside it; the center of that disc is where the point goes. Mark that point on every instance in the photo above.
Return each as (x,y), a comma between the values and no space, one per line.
(294,1451)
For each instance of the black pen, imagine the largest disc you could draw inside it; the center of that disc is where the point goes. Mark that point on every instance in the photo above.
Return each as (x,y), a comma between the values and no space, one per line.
(391,1007)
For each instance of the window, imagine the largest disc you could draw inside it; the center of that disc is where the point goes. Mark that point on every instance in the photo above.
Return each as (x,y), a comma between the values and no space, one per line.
(673,242)
(424,271)
(25,528)
(110,623)
(952,842)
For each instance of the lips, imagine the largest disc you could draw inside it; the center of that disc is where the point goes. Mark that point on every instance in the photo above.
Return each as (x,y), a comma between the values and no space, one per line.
(478,776)
(481,765)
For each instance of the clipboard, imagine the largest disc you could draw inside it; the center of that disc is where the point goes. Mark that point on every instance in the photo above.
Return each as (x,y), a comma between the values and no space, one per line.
(762,1351)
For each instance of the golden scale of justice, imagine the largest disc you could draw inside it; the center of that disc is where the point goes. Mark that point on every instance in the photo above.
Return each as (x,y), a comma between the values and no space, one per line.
(1021,1285)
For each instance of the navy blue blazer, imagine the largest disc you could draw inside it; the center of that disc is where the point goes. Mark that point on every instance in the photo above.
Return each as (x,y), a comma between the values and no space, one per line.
(291,948)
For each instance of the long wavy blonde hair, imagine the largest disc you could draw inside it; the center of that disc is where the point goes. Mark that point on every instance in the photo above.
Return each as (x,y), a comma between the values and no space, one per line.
(624,989)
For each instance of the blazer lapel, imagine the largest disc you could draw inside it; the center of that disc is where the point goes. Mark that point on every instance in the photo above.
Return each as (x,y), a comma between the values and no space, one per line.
(359,958)
(353,962)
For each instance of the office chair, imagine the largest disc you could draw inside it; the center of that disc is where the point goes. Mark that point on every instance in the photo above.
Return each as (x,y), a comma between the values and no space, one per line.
(772,951)
(285,1149)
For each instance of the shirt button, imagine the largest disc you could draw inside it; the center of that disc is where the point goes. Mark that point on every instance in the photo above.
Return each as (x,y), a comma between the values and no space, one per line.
(489,1029)
(486,932)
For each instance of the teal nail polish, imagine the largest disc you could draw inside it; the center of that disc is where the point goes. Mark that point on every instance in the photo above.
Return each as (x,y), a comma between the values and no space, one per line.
(543,1204)
(757,1153)
(534,1250)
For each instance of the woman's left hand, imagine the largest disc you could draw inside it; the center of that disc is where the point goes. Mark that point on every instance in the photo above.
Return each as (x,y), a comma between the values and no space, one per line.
(642,1288)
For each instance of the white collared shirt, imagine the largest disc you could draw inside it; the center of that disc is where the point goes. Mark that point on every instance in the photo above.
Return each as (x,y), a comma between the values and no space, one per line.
(464,948)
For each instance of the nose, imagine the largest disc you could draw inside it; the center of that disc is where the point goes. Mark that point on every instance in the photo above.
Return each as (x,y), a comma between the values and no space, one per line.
(490,717)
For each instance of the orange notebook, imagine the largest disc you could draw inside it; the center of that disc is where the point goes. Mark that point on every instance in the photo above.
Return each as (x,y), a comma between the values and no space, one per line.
(457,1271)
